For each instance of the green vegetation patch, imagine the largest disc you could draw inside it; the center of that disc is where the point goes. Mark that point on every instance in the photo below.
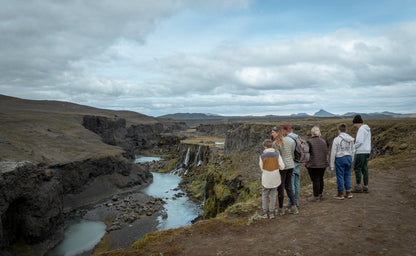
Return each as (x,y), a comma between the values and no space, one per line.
(157,237)
(170,167)
(197,188)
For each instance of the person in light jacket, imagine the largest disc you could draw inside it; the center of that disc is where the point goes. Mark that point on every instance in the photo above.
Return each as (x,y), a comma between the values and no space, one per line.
(284,146)
(317,163)
(288,132)
(342,152)
(362,149)
(270,164)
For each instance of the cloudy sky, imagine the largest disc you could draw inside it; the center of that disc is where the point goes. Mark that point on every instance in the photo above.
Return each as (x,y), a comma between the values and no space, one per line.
(236,57)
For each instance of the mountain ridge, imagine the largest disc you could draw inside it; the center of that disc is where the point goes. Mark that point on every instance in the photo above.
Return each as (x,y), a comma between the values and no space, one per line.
(320,113)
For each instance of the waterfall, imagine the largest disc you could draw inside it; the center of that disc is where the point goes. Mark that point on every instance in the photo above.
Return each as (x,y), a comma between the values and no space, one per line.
(182,169)
(198,160)
(185,163)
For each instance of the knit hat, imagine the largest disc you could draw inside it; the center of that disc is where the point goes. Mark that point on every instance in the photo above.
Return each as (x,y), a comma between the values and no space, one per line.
(287,127)
(357,120)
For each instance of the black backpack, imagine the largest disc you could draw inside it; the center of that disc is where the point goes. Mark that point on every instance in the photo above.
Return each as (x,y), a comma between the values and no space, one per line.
(302,154)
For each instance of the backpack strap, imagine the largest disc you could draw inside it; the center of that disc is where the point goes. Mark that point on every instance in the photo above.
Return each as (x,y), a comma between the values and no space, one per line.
(293,138)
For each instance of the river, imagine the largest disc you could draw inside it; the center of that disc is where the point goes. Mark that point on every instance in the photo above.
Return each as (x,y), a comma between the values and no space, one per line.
(82,235)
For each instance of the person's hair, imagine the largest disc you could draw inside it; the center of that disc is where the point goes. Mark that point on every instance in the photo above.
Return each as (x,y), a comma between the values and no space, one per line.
(267,143)
(315,131)
(342,127)
(279,139)
(287,127)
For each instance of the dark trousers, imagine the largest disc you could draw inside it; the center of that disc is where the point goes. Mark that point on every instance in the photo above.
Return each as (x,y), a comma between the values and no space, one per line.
(317,177)
(360,166)
(286,177)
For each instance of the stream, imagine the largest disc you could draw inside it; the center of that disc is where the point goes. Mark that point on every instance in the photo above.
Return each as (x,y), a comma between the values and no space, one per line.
(82,235)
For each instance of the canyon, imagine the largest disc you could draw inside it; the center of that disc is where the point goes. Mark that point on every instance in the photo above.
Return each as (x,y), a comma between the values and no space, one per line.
(57,157)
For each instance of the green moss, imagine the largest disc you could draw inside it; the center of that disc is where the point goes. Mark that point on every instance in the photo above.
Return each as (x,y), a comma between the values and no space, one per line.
(210,208)
(250,191)
(243,208)
(157,237)
(197,188)
(222,192)
(103,246)
(170,167)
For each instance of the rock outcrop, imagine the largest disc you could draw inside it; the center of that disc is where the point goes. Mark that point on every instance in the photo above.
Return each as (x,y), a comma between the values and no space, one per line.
(216,130)
(35,197)
(136,137)
(31,206)
(246,137)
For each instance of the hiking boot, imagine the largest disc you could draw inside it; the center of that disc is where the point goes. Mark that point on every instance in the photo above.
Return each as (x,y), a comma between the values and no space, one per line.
(293,210)
(313,198)
(339,196)
(281,211)
(348,194)
(264,215)
(321,197)
(365,189)
(358,189)
(271,215)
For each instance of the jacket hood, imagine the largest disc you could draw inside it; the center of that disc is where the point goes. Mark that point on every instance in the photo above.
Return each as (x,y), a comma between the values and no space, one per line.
(365,127)
(346,137)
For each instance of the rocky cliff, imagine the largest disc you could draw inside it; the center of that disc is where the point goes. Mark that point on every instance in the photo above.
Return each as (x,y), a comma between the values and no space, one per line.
(51,164)
(217,130)
(35,197)
(31,206)
(135,137)
(246,137)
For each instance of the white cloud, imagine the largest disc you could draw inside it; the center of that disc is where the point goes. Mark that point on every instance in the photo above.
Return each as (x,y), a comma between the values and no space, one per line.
(131,55)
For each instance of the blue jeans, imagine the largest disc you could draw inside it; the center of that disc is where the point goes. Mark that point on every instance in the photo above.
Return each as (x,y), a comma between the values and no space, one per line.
(343,171)
(295,184)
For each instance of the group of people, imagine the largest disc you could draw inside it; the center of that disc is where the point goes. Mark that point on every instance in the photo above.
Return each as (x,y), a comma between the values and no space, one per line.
(280,172)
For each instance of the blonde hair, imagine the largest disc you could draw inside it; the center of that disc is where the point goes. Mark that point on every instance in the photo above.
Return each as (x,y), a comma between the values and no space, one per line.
(315,131)
(279,139)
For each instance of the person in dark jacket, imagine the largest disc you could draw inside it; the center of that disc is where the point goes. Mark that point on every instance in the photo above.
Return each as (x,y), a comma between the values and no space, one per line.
(317,163)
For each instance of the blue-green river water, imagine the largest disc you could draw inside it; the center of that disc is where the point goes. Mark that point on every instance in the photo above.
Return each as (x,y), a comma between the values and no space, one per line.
(82,235)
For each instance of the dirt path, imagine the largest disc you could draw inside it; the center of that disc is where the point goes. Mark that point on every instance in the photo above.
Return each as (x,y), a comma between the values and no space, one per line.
(381,222)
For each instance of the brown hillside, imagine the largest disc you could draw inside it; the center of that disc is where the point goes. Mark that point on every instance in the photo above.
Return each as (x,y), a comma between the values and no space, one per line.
(51,131)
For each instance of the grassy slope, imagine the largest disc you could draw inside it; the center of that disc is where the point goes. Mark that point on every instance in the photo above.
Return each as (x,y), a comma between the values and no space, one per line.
(51,132)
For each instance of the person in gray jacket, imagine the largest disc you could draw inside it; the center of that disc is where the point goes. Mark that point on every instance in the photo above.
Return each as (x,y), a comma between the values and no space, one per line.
(342,152)
(362,149)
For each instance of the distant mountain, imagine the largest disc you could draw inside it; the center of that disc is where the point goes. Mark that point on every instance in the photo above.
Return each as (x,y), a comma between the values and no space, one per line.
(320,113)
(191,116)
(300,115)
(384,114)
(323,113)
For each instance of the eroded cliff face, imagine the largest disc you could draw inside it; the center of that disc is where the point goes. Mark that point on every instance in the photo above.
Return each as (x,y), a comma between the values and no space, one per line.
(31,206)
(133,138)
(35,197)
(217,130)
(246,138)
